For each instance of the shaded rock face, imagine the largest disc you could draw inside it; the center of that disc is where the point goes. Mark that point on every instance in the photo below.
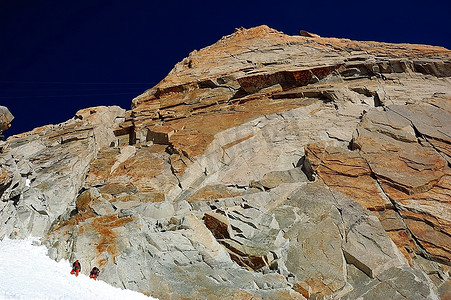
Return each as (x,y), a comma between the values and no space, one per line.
(264,166)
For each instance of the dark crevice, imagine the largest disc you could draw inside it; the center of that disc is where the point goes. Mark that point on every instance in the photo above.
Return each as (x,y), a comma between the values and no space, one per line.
(372,175)
(377,100)
(162,108)
(205,106)
(428,256)
(174,173)
(41,212)
(362,91)
(15,199)
(4,187)
(351,145)
(236,186)
(132,137)
(417,132)
(171,150)
(236,229)
(240,93)
(355,78)
(300,162)
(207,84)
(308,170)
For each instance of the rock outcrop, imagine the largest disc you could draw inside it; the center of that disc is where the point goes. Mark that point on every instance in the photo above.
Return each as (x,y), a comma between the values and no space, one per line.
(264,166)
(43,170)
(5,120)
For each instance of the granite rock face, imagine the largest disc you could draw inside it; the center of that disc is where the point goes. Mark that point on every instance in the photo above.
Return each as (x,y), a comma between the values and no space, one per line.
(5,119)
(264,166)
(43,170)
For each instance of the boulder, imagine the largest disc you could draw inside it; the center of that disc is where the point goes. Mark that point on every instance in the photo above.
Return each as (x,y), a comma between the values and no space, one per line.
(6,118)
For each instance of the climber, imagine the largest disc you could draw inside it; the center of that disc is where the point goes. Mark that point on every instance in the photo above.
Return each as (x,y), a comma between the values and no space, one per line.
(94,273)
(76,268)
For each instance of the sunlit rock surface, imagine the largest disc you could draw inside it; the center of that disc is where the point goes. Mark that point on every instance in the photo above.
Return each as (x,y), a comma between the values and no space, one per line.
(264,166)
(5,120)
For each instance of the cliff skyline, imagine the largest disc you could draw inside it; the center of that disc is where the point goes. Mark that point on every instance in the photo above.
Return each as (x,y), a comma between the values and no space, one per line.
(265,165)
(58,58)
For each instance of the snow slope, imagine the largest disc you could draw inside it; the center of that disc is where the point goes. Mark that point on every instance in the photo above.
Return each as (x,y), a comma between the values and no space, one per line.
(27,273)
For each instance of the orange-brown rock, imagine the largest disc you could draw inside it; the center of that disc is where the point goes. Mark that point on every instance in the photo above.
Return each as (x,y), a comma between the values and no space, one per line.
(203,185)
(427,216)
(347,172)
(218,225)
(389,166)
(304,289)
(5,178)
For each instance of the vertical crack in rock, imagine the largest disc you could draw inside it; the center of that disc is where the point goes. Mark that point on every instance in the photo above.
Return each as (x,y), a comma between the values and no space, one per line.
(171,151)
(396,208)
(266,232)
(422,136)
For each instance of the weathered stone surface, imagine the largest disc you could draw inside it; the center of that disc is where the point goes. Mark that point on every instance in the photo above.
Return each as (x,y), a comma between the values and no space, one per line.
(421,172)
(304,289)
(251,236)
(419,167)
(47,167)
(419,188)
(329,230)
(218,224)
(204,185)
(347,171)
(5,118)
(395,283)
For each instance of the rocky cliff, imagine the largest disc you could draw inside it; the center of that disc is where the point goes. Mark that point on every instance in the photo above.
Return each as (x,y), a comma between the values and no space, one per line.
(264,166)
(5,120)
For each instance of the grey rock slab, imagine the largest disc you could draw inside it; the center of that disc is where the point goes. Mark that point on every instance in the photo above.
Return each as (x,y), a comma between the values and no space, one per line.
(366,243)
(395,283)
(276,178)
(102,207)
(389,123)
(167,241)
(158,210)
(326,230)
(429,119)
(53,161)
(314,253)
(274,144)
(198,233)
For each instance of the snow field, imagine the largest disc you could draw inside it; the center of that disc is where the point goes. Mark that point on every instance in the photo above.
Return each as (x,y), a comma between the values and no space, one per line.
(27,273)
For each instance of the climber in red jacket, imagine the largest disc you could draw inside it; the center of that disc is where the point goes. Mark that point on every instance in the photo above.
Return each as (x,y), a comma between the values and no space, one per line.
(76,268)
(94,273)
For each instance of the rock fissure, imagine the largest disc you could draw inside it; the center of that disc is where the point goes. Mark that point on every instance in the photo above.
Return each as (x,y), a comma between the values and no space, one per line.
(422,250)
(195,185)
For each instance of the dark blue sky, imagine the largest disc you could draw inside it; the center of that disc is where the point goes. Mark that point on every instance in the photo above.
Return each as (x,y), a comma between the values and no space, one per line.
(60,56)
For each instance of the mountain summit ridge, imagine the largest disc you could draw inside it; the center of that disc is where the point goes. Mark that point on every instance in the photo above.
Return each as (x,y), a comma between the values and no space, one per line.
(265,165)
